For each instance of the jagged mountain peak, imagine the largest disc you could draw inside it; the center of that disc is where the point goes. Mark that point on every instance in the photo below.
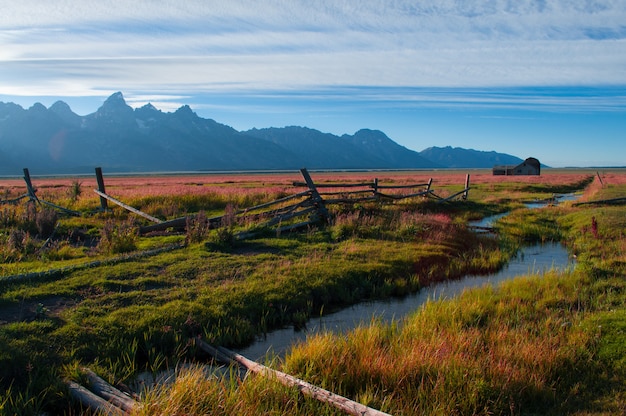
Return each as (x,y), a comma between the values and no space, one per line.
(150,107)
(185,110)
(114,108)
(120,138)
(115,99)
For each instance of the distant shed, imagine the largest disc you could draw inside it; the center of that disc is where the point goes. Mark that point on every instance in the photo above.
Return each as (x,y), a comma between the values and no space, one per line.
(530,166)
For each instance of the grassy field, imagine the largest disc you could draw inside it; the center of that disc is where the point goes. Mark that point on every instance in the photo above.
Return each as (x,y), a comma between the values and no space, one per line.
(536,345)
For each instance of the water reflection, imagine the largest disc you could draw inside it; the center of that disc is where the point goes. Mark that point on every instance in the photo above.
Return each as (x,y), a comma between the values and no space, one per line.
(531,260)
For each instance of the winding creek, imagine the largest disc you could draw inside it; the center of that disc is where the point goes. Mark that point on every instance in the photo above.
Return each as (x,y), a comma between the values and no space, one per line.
(535,259)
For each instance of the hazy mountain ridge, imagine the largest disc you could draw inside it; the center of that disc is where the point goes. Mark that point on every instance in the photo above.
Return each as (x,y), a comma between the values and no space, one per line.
(456,157)
(119,138)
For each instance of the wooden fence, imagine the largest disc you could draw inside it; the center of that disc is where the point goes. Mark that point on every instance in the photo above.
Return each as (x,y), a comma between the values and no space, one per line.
(310,205)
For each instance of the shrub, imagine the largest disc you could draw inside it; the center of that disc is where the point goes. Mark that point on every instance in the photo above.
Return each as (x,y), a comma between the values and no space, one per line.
(75,190)
(45,222)
(120,238)
(197,228)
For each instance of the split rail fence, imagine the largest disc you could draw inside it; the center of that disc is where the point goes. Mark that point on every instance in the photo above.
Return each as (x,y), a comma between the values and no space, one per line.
(297,211)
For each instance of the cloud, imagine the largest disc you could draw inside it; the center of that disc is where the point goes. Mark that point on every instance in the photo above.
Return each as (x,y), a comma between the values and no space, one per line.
(249,45)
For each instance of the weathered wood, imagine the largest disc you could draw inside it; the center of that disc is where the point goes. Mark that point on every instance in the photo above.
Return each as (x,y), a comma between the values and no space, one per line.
(315,196)
(362,191)
(350,200)
(338,185)
(92,401)
(286,217)
(60,208)
(346,405)
(447,199)
(277,201)
(177,223)
(15,200)
(108,392)
(128,207)
(100,181)
(29,186)
(416,185)
(181,223)
(373,185)
(467,186)
(31,193)
(397,197)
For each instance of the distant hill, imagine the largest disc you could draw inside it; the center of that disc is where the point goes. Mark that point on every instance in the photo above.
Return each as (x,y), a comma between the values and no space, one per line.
(457,157)
(119,138)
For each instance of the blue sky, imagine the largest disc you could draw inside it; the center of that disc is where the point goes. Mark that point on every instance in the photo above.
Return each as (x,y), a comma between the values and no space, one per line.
(541,78)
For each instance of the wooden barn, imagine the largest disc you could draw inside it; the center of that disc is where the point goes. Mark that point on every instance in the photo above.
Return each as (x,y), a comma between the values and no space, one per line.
(530,166)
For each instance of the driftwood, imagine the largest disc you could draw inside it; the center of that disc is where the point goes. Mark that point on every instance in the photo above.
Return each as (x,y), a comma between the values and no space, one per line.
(346,405)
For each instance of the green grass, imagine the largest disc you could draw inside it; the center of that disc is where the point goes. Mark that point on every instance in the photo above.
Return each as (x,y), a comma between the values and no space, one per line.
(536,345)
(140,314)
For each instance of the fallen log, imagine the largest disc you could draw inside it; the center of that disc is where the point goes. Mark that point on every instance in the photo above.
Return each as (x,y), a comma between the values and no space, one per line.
(346,405)
(108,392)
(92,401)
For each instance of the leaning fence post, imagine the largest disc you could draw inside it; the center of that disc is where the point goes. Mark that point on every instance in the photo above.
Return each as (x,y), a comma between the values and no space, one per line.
(317,198)
(29,186)
(467,182)
(100,180)
(600,179)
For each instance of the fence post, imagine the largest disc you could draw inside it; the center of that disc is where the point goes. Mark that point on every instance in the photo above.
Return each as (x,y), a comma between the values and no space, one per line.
(600,179)
(467,182)
(315,195)
(103,202)
(29,186)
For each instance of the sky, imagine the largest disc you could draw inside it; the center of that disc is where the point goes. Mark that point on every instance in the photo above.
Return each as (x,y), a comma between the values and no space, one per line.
(531,78)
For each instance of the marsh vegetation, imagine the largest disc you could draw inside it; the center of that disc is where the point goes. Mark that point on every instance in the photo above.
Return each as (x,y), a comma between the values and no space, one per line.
(546,344)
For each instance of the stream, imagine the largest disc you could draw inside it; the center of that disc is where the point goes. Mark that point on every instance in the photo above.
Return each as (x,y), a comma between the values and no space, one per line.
(535,259)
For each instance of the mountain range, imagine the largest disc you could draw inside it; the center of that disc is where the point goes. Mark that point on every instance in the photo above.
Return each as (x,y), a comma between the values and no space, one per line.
(119,138)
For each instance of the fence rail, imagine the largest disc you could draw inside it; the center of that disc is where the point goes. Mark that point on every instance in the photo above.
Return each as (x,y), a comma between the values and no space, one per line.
(310,204)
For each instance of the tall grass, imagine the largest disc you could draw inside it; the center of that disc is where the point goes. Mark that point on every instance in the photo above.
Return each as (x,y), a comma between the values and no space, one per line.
(492,351)
(139,315)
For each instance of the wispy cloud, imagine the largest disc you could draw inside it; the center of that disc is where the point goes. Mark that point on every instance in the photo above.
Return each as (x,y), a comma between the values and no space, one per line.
(178,47)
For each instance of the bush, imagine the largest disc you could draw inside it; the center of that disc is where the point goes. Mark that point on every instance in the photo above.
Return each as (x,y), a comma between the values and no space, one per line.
(120,238)
(45,222)
(197,228)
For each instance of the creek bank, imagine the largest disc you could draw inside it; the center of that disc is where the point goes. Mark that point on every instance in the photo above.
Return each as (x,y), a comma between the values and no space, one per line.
(535,259)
